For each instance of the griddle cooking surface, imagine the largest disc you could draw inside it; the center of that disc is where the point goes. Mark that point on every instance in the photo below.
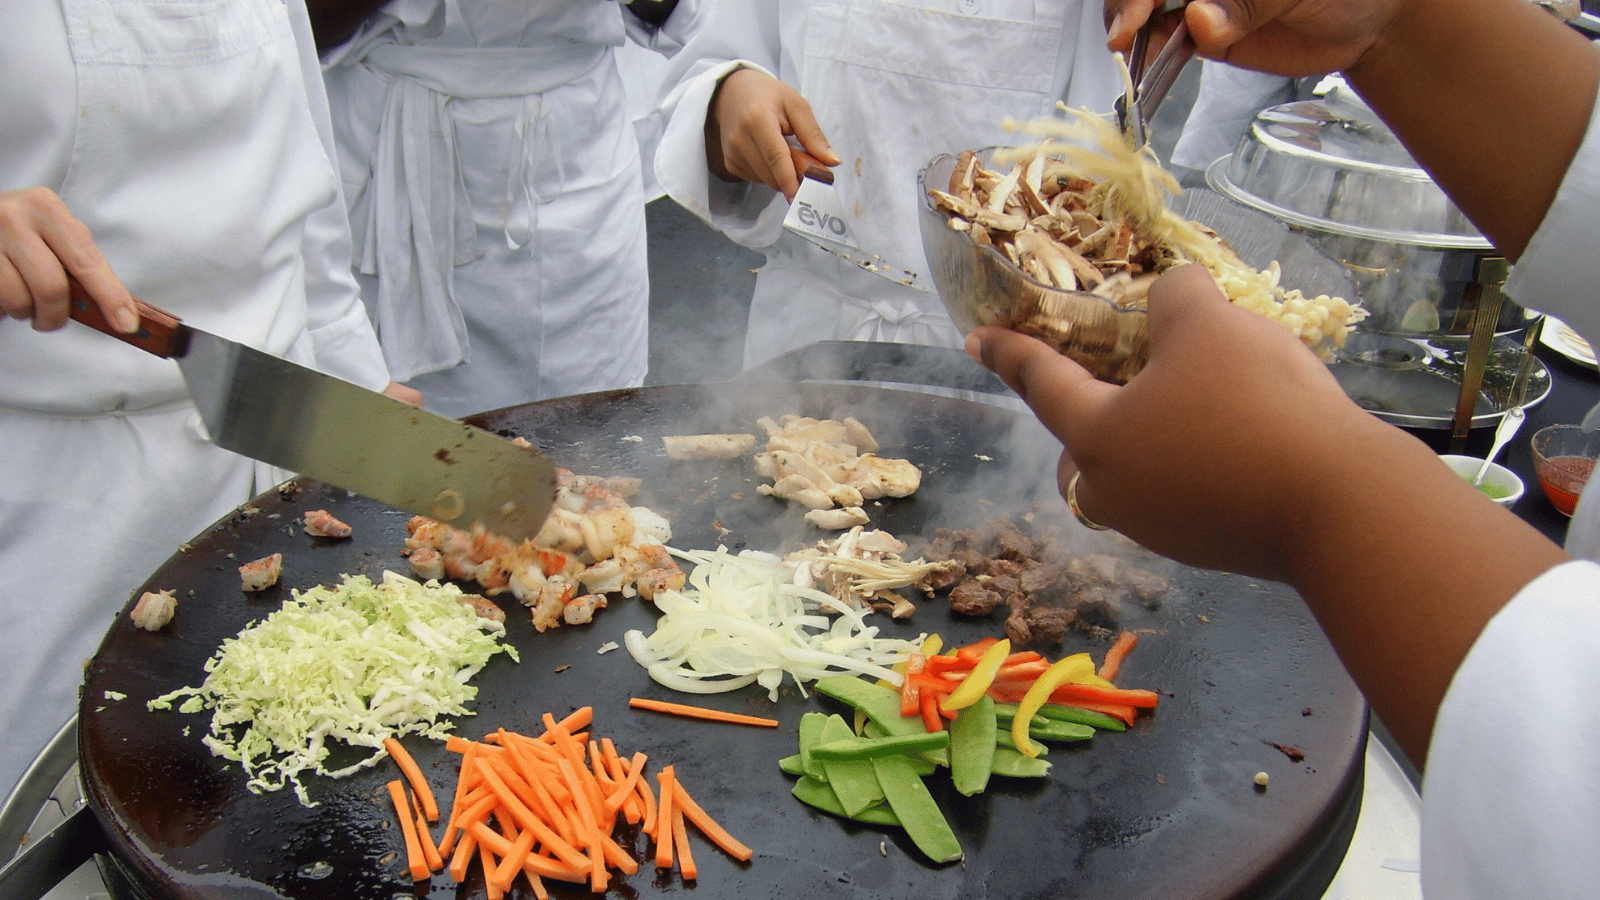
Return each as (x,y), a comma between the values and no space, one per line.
(1165,810)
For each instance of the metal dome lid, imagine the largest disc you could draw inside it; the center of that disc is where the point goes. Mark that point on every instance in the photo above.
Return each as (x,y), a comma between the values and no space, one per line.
(1330,164)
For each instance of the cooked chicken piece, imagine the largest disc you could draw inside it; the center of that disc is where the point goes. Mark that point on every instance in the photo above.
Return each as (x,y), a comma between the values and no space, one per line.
(786,463)
(262,573)
(798,489)
(321,523)
(154,610)
(874,476)
(879,541)
(838,519)
(707,446)
(858,436)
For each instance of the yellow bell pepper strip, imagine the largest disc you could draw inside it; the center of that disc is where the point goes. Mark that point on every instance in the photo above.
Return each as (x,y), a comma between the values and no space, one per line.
(1064,670)
(972,745)
(978,680)
(919,815)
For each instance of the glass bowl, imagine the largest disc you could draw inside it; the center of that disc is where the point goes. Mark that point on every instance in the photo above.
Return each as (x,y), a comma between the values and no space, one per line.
(981,286)
(1563,457)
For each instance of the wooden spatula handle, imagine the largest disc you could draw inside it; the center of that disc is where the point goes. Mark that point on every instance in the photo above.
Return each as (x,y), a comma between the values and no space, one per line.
(160,332)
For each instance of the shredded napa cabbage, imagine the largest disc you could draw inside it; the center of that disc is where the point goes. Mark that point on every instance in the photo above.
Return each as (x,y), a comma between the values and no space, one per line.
(741,620)
(355,662)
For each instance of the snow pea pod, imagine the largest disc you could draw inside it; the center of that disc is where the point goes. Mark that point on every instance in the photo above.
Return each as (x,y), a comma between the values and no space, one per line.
(1062,713)
(852,747)
(972,746)
(854,782)
(918,813)
(820,795)
(1010,763)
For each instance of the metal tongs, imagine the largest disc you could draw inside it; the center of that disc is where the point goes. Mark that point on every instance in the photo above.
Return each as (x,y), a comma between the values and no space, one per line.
(1148,85)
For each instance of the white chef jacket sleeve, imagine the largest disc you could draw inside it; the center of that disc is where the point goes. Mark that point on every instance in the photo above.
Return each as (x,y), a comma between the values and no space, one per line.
(1561,264)
(1511,795)
(342,337)
(740,34)
(673,34)
(1226,104)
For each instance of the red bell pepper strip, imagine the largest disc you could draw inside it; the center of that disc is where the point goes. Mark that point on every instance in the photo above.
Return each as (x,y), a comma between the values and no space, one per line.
(1088,693)
(910,691)
(930,712)
(976,650)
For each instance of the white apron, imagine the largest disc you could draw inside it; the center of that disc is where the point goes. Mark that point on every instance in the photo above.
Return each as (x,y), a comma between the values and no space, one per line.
(195,161)
(495,193)
(893,85)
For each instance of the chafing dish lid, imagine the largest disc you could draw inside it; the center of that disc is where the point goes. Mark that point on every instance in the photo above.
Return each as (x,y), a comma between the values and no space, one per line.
(1330,164)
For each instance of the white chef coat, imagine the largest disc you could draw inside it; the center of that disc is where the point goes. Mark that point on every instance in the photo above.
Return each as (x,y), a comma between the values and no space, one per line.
(893,84)
(493,175)
(1511,795)
(1225,105)
(192,139)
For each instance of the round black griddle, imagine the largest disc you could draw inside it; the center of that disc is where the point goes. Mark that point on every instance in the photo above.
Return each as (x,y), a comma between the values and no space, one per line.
(1165,810)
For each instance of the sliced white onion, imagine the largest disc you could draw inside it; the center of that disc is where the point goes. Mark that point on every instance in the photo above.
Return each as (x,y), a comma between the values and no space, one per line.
(740,620)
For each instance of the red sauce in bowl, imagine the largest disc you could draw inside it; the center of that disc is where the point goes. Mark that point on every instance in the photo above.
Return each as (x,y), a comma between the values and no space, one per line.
(1562,479)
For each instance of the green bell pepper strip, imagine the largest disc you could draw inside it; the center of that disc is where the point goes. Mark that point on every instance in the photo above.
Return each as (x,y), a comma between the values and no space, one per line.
(819,795)
(1010,763)
(972,745)
(919,815)
(977,682)
(852,747)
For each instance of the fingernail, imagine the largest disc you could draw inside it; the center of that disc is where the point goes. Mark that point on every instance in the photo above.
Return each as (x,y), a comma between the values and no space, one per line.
(974,347)
(125,320)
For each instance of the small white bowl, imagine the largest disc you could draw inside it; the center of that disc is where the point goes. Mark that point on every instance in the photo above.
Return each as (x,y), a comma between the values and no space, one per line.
(1499,480)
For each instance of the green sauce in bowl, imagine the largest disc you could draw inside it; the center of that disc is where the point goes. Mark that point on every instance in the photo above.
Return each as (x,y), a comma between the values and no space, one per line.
(1489,489)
